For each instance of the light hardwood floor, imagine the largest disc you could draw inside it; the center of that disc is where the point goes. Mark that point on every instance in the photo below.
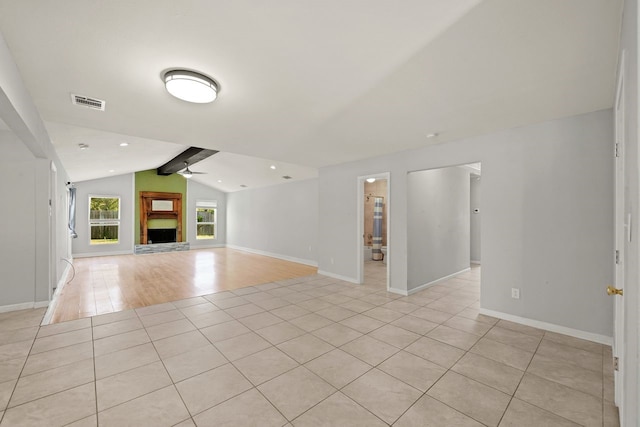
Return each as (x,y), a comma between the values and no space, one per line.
(115,283)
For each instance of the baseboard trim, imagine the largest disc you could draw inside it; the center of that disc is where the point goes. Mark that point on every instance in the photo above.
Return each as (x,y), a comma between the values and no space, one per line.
(95,254)
(274,255)
(473,261)
(435,282)
(16,307)
(338,276)
(221,245)
(576,333)
(54,299)
(23,306)
(402,292)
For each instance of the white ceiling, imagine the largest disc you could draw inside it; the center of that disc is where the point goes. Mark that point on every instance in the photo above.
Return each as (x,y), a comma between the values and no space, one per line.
(303,83)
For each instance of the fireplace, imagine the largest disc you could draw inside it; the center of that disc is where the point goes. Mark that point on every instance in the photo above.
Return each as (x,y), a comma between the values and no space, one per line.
(166,206)
(161,235)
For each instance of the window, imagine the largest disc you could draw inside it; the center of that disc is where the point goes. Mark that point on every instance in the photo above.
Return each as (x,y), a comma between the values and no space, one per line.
(206,219)
(104,219)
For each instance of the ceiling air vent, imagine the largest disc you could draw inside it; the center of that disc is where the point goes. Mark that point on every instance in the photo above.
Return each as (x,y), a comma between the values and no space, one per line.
(287,177)
(85,101)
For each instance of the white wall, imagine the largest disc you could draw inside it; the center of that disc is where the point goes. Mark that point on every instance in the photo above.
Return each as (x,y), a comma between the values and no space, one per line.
(280,220)
(438,224)
(24,225)
(17,222)
(548,217)
(117,186)
(195,192)
(25,163)
(476,219)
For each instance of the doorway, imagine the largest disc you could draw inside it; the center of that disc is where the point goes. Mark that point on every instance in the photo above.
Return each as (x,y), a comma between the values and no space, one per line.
(443,226)
(373,239)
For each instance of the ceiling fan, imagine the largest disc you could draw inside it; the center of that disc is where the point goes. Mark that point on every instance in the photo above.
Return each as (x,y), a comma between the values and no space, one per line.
(187,173)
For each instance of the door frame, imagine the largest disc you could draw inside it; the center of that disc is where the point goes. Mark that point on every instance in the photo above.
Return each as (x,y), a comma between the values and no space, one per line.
(53,241)
(360,213)
(622,237)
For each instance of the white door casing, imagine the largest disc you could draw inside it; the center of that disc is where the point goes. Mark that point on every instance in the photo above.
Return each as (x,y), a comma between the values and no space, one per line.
(622,237)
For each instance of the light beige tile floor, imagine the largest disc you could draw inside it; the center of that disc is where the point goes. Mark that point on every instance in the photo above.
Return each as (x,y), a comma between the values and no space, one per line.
(304,352)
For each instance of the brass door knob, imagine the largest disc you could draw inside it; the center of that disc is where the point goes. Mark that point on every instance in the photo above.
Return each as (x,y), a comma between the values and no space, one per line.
(613,291)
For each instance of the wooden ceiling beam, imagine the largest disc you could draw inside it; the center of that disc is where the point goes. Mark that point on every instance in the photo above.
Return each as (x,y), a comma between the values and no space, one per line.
(191,156)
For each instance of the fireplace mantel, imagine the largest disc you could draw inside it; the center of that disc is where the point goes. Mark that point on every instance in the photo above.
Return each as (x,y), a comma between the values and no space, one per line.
(173,210)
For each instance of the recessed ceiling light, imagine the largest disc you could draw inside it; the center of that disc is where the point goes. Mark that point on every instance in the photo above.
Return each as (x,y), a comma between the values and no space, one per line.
(83,146)
(370,180)
(219,180)
(273,167)
(191,86)
(432,135)
(287,177)
(124,144)
(112,170)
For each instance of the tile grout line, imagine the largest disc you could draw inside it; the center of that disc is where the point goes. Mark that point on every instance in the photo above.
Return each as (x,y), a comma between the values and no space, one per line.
(376,366)
(447,370)
(127,370)
(338,323)
(95,374)
(159,360)
(299,365)
(399,350)
(6,409)
(235,319)
(173,384)
(521,378)
(22,370)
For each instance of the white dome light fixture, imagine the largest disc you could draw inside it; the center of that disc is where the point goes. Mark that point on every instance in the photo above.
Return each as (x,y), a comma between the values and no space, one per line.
(191,86)
(371,180)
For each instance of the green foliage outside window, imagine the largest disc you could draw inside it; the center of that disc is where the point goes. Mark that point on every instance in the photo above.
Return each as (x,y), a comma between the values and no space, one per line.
(104,220)
(206,223)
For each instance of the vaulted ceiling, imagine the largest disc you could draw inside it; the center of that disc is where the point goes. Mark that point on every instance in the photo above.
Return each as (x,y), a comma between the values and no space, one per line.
(304,84)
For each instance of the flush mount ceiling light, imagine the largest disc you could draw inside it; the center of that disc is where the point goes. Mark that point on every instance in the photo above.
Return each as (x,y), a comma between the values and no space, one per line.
(432,135)
(83,146)
(124,144)
(273,167)
(191,86)
(370,180)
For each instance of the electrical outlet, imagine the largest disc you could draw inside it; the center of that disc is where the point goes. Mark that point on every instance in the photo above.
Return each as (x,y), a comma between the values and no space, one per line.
(515,293)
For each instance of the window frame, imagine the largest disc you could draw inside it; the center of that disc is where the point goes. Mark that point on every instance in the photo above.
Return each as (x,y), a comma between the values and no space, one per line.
(103,222)
(207,204)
